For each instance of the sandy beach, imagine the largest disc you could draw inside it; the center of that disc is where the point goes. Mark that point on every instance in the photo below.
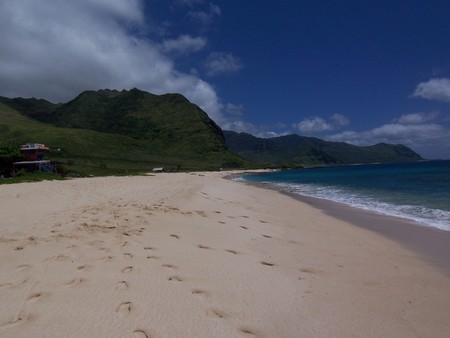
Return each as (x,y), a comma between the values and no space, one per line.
(196,255)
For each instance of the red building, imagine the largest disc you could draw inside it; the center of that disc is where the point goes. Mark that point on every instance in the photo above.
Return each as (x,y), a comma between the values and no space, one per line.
(33,153)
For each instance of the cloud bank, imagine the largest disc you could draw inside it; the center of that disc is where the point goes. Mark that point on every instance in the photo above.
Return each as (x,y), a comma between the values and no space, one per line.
(56,49)
(419,131)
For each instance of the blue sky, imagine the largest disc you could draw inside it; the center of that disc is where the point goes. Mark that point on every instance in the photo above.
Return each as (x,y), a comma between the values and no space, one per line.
(356,71)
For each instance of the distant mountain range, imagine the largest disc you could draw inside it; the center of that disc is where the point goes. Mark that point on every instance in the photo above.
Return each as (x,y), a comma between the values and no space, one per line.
(109,131)
(298,151)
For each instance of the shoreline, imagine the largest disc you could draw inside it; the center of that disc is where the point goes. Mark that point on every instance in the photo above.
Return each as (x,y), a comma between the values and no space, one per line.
(432,244)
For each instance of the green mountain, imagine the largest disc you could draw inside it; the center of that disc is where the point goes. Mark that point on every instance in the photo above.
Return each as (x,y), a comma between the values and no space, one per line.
(113,132)
(297,151)
(170,122)
(102,132)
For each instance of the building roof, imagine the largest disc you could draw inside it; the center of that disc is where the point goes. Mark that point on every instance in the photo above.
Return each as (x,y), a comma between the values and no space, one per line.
(33,146)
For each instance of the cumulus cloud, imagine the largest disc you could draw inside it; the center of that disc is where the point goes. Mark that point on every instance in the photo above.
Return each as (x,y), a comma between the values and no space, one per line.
(316,125)
(219,63)
(56,49)
(434,89)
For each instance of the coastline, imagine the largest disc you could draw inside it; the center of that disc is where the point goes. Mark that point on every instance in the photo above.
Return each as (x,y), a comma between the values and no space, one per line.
(196,255)
(431,243)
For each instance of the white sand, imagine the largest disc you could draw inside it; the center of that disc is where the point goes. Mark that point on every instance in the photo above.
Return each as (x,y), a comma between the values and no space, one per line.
(194,255)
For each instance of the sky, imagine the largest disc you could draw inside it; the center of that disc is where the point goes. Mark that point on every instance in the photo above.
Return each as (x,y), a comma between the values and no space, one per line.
(361,72)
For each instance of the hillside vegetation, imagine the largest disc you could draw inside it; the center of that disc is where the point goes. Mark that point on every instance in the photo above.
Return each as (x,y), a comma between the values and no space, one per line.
(119,132)
(131,131)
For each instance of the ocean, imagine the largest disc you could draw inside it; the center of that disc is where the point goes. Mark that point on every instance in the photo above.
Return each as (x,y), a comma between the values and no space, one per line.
(418,191)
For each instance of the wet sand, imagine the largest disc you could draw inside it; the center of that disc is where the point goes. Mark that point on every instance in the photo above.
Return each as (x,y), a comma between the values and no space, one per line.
(431,243)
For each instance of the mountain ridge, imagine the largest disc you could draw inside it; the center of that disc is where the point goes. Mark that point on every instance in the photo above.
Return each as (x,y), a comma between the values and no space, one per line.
(296,150)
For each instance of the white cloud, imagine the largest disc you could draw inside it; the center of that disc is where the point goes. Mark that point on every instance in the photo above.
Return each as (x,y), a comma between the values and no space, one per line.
(241,126)
(184,44)
(316,125)
(312,125)
(234,110)
(56,49)
(339,120)
(417,118)
(434,89)
(205,18)
(220,63)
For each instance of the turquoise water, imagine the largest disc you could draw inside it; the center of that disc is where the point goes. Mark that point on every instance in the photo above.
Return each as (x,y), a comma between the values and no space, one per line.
(418,191)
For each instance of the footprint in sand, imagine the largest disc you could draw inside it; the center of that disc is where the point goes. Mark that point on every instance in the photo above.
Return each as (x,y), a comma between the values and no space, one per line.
(267,236)
(243,227)
(169,266)
(234,252)
(175,279)
(124,308)
(309,270)
(152,257)
(127,255)
(175,236)
(204,247)
(148,248)
(32,239)
(23,267)
(200,292)
(141,334)
(107,258)
(122,285)
(13,285)
(21,319)
(247,332)
(62,258)
(83,267)
(267,263)
(34,297)
(216,313)
(127,269)
(75,281)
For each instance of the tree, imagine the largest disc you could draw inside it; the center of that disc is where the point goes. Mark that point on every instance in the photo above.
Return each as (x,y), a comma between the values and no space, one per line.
(9,154)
